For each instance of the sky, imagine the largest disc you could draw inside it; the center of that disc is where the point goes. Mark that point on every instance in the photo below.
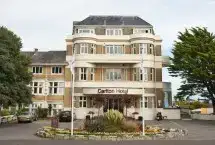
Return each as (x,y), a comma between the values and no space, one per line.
(44,24)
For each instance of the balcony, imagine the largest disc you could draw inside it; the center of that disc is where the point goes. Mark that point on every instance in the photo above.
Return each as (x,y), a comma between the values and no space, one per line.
(116,58)
(95,37)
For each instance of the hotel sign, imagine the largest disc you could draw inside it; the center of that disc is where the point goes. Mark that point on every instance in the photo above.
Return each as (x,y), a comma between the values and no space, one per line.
(122,91)
(113,91)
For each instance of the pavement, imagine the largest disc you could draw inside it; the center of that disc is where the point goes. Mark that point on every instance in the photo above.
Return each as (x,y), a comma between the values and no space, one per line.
(197,130)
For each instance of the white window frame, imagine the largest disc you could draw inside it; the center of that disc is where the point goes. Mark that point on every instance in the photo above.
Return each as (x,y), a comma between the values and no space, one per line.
(113,32)
(57,70)
(116,49)
(92,74)
(83,102)
(134,74)
(145,74)
(113,74)
(143,48)
(84,31)
(93,48)
(34,68)
(145,100)
(141,31)
(39,86)
(83,71)
(59,88)
(84,48)
(151,49)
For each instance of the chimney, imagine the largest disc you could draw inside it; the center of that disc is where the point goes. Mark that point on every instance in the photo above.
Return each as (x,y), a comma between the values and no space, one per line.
(35,50)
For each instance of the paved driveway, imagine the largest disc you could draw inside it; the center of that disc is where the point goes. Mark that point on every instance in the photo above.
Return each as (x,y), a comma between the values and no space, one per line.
(197,130)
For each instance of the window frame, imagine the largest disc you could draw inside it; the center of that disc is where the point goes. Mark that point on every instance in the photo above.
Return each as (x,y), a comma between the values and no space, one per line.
(59,88)
(142,46)
(84,47)
(113,74)
(83,71)
(81,31)
(35,68)
(37,87)
(115,49)
(92,74)
(113,32)
(146,105)
(82,101)
(55,68)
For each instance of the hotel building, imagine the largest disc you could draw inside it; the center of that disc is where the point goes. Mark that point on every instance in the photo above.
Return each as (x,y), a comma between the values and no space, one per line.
(108,51)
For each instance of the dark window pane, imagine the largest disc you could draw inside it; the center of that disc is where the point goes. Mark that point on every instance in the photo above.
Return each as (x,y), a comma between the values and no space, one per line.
(53,70)
(50,90)
(55,90)
(41,69)
(37,69)
(85,77)
(84,104)
(40,90)
(35,90)
(55,84)
(35,83)
(60,70)
(80,104)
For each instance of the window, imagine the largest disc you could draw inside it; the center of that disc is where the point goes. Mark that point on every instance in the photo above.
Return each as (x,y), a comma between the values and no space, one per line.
(146,102)
(139,31)
(113,32)
(114,49)
(83,74)
(92,104)
(143,48)
(56,70)
(151,48)
(92,31)
(145,74)
(83,102)
(151,74)
(133,49)
(92,74)
(56,88)
(37,69)
(37,88)
(113,74)
(92,49)
(136,74)
(84,48)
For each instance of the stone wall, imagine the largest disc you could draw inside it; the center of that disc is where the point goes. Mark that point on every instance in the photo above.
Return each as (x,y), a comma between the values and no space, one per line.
(203,117)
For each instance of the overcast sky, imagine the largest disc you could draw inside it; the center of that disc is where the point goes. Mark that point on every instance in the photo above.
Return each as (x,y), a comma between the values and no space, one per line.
(44,24)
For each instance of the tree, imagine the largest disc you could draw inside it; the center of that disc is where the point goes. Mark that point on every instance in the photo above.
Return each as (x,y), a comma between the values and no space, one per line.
(194,61)
(14,75)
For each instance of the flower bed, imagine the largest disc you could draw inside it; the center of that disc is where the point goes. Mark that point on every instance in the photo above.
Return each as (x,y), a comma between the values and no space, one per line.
(59,133)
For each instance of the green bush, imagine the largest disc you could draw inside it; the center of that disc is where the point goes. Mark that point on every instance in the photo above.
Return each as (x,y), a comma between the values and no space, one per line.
(5,112)
(129,126)
(112,128)
(114,117)
(96,125)
(42,112)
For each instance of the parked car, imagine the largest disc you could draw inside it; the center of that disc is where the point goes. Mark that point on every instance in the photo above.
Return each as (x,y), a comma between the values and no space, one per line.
(65,116)
(27,117)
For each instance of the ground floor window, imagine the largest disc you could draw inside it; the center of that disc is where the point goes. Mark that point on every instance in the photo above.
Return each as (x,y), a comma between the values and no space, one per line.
(83,101)
(145,101)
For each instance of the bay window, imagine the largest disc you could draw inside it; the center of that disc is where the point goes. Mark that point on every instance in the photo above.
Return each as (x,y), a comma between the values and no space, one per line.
(56,88)
(57,70)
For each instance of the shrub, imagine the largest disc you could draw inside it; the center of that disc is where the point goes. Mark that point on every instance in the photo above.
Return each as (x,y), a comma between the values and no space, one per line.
(42,112)
(5,112)
(129,126)
(96,125)
(112,128)
(114,117)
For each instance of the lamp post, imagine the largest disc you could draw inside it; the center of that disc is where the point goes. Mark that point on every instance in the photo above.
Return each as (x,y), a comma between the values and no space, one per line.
(143,91)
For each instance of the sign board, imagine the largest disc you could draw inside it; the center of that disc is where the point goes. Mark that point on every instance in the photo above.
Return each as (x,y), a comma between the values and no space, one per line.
(112,91)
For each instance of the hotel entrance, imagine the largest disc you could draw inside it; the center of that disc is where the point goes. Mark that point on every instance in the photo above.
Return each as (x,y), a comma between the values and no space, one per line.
(113,103)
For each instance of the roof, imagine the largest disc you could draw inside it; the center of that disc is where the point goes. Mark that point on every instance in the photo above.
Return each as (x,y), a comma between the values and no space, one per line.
(112,20)
(46,57)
